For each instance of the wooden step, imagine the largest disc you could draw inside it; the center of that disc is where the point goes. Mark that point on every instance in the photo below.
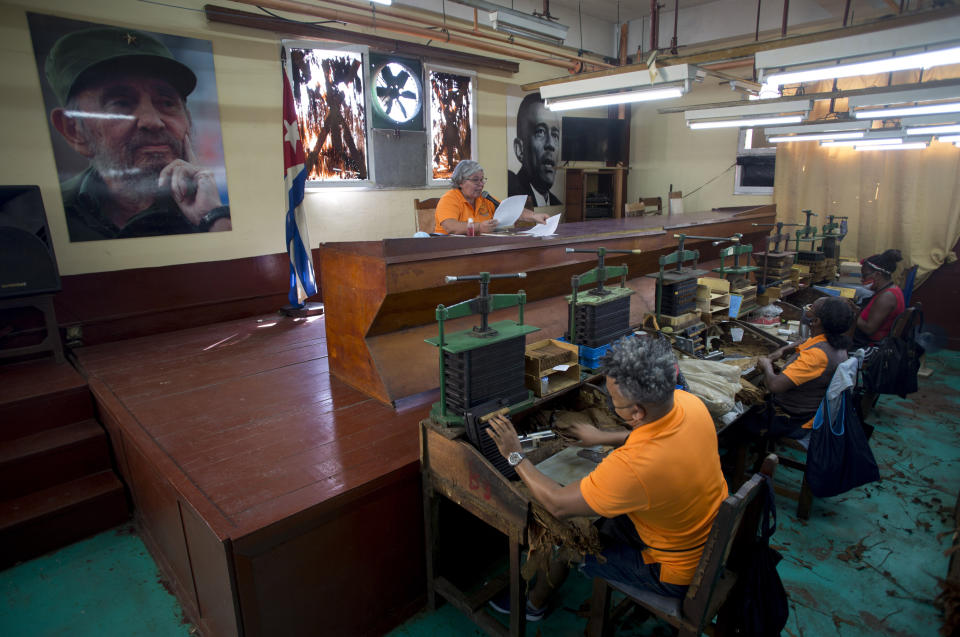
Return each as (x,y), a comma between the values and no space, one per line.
(38,395)
(46,520)
(51,457)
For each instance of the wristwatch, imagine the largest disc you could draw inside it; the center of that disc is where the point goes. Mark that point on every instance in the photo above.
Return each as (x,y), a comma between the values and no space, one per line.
(515,458)
(211,217)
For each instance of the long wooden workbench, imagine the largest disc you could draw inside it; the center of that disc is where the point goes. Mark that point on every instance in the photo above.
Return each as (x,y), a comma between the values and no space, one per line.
(380,297)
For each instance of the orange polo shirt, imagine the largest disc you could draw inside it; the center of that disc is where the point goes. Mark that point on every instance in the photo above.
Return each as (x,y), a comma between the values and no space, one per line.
(453,205)
(666,477)
(809,364)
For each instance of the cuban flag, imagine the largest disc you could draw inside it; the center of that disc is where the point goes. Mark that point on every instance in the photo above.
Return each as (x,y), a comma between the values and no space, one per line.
(303,282)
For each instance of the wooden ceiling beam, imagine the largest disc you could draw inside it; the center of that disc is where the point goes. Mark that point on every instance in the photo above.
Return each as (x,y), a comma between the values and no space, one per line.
(284,27)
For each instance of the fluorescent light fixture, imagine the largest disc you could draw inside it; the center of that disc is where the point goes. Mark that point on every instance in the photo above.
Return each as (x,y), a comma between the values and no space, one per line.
(941,32)
(748,122)
(630,81)
(910,146)
(527,26)
(924,60)
(519,23)
(905,97)
(824,127)
(884,141)
(949,138)
(386,2)
(906,111)
(814,137)
(933,130)
(747,109)
(615,98)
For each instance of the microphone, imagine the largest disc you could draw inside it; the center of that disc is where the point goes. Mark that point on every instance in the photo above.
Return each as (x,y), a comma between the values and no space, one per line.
(486,195)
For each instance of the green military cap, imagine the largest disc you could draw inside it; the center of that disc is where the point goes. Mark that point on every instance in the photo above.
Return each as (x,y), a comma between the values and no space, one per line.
(78,55)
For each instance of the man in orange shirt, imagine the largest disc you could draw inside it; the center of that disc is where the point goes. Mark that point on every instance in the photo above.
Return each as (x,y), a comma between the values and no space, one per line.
(802,384)
(662,485)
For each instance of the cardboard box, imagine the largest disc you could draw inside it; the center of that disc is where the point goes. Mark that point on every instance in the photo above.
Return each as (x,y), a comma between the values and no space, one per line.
(678,322)
(850,268)
(847,293)
(550,366)
(715,284)
(542,356)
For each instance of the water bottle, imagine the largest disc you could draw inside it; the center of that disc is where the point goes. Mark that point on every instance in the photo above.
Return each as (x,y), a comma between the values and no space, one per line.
(471,229)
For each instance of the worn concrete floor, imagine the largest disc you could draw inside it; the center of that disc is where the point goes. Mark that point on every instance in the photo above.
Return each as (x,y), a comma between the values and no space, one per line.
(867,563)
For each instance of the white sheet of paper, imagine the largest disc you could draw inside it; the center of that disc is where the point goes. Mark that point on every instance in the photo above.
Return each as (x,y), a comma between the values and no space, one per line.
(561,368)
(546,229)
(509,210)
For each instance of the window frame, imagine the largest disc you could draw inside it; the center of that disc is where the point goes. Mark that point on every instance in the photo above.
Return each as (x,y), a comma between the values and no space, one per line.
(744,135)
(370,183)
(428,68)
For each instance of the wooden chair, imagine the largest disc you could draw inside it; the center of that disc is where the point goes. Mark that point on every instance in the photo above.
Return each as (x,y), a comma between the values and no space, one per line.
(424,214)
(905,322)
(732,533)
(646,206)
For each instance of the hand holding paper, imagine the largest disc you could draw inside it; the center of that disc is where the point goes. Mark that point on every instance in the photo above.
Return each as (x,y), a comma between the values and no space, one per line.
(509,210)
(546,229)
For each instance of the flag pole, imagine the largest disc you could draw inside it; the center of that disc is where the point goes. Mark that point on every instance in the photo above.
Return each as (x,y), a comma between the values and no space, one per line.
(303,281)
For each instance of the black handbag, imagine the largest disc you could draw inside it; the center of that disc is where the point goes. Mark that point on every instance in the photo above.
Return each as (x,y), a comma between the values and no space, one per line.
(839,456)
(891,366)
(759,600)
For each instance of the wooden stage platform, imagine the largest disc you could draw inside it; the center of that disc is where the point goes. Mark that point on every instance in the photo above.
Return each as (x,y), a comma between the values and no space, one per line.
(277,499)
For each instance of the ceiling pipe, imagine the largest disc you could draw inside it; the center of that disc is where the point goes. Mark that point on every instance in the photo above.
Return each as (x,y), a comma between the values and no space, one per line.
(756,30)
(731,64)
(571,63)
(676,14)
(654,25)
(742,54)
(786,11)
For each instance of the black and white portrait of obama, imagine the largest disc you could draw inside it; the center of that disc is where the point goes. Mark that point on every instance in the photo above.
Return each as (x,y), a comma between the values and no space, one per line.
(537,149)
(132,160)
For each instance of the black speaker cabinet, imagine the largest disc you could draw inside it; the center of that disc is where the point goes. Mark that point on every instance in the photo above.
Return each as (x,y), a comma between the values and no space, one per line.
(28,264)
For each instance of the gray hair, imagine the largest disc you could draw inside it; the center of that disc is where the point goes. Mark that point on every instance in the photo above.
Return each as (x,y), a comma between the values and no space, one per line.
(644,368)
(463,171)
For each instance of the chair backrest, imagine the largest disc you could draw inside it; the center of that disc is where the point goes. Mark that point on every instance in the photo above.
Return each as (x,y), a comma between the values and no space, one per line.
(735,526)
(652,205)
(905,321)
(646,206)
(425,214)
(908,285)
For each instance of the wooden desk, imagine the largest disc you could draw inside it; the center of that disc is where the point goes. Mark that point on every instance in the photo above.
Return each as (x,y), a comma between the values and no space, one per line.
(381,296)
(452,468)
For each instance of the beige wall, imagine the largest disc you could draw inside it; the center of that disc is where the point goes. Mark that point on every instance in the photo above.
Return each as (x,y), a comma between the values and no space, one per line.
(664,151)
(248,87)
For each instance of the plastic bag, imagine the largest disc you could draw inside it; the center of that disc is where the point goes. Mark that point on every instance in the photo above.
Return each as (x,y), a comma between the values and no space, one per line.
(839,456)
(715,383)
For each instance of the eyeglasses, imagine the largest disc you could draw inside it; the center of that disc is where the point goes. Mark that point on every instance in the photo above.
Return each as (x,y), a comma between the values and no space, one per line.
(808,308)
(479,181)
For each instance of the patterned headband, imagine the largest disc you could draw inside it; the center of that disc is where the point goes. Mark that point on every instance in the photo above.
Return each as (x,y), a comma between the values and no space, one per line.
(875,266)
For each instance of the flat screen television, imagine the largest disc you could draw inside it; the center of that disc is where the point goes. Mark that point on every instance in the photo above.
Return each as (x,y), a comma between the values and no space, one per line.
(593,139)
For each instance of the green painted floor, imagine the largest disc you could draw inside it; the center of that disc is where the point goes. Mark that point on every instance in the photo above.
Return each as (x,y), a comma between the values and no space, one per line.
(103,586)
(867,563)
